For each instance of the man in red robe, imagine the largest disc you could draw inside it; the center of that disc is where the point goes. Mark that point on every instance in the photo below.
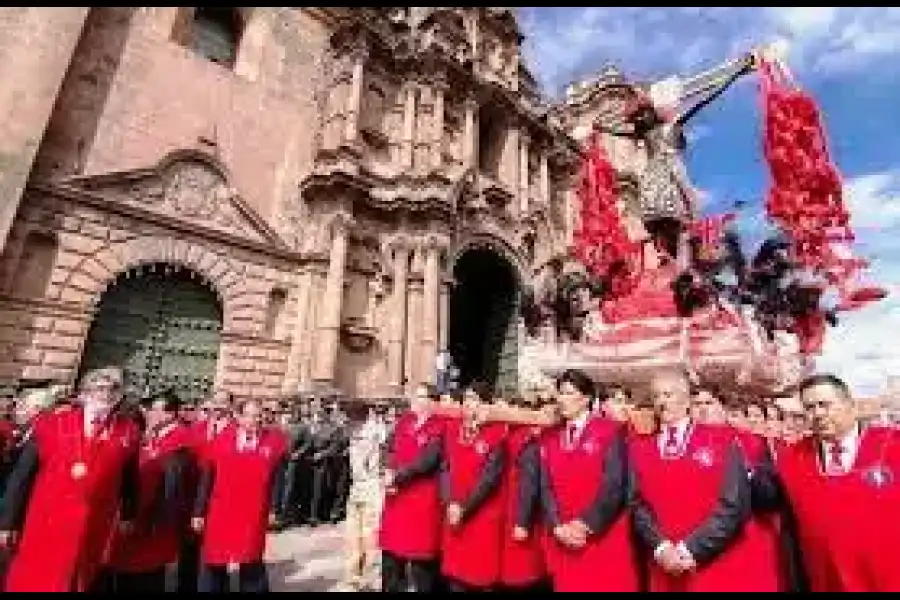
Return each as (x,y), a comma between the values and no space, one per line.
(74,483)
(522,567)
(690,494)
(139,559)
(841,484)
(234,499)
(584,493)
(471,475)
(212,417)
(410,531)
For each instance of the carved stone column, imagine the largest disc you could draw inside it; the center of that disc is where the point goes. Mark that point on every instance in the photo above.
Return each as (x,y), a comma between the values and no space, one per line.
(444,329)
(524,190)
(328,340)
(470,134)
(409,126)
(430,308)
(544,178)
(354,98)
(397,335)
(437,124)
(413,361)
(292,374)
(512,164)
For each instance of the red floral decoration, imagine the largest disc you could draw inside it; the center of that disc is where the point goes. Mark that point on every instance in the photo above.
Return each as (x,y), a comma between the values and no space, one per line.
(806,193)
(806,197)
(601,240)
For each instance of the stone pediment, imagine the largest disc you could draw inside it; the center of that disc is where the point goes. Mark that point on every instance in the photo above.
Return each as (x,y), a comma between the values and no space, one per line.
(190,186)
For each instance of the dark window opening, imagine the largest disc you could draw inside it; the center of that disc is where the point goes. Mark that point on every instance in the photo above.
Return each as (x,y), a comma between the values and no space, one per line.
(216,33)
(491,137)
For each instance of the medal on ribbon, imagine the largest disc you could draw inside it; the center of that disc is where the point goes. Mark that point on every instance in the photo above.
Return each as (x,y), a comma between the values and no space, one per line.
(878,476)
(704,456)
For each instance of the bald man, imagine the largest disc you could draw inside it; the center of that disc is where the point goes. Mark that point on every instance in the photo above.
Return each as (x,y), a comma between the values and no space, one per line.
(691,497)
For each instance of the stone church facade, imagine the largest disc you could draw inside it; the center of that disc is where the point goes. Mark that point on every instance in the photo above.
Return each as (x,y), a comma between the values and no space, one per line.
(267,200)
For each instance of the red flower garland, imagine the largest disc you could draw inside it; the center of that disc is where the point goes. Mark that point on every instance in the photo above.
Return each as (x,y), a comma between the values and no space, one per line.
(806,199)
(806,192)
(601,240)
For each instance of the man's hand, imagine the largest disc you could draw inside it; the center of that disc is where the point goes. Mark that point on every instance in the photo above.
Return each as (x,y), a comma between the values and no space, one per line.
(561,533)
(454,514)
(685,558)
(669,558)
(273,519)
(295,455)
(579,532)
(197,524)
(519,534)
(567,536)
(126,527)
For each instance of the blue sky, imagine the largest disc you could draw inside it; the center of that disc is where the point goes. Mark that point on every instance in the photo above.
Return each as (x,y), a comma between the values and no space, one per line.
(849,58)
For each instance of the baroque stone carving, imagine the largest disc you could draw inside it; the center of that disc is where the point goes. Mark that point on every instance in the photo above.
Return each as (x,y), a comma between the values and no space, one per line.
(193,190)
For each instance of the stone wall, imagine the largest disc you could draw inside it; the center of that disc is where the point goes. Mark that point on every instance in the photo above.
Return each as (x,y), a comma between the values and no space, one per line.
(76,249)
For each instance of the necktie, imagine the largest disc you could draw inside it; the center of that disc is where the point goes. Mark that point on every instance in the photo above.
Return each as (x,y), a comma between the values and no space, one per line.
(836,457)
(671,445)
(571,433)
(94,426)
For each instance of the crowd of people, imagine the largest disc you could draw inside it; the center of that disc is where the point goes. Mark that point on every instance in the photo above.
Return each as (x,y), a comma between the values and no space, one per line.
(562,489)
(102,494)
(678,490)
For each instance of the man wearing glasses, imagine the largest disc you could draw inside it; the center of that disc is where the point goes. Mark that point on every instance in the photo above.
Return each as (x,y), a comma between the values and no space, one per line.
(73,484)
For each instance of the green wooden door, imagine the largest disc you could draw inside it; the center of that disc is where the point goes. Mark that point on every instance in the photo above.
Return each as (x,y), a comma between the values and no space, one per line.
(162,328)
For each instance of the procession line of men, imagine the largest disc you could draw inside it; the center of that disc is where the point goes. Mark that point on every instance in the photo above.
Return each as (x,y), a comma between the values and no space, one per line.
(105,496)
(590,503)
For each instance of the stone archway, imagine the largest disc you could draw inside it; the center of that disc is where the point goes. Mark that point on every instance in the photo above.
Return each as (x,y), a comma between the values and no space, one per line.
(483,323)
(162,325)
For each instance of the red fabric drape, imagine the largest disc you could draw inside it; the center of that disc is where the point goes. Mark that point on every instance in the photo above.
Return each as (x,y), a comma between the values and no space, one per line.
(601,240)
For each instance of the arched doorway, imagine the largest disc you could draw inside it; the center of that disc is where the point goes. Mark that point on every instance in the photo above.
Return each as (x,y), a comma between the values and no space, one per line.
(162,325)
(483,319)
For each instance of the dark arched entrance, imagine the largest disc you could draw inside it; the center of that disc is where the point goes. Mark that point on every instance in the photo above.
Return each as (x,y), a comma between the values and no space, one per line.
(483,311)
(162,325)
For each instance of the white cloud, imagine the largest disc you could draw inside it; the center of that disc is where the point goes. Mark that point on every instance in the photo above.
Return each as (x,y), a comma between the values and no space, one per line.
(863,348)
(569,43)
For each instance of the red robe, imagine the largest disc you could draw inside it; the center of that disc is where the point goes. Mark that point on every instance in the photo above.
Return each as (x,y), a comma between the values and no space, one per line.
(70,520)
(847,524)
(521,562)
(152,545)
(411,518)
(238,505)
(699,472)
(471,551)
(607,563)
(758,542)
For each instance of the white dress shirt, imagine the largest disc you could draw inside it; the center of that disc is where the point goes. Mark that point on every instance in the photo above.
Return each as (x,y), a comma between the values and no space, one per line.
(575,427)
(682,426)
(849,445)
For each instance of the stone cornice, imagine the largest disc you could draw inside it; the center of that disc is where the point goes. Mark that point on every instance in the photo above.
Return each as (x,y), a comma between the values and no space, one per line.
(99,202)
